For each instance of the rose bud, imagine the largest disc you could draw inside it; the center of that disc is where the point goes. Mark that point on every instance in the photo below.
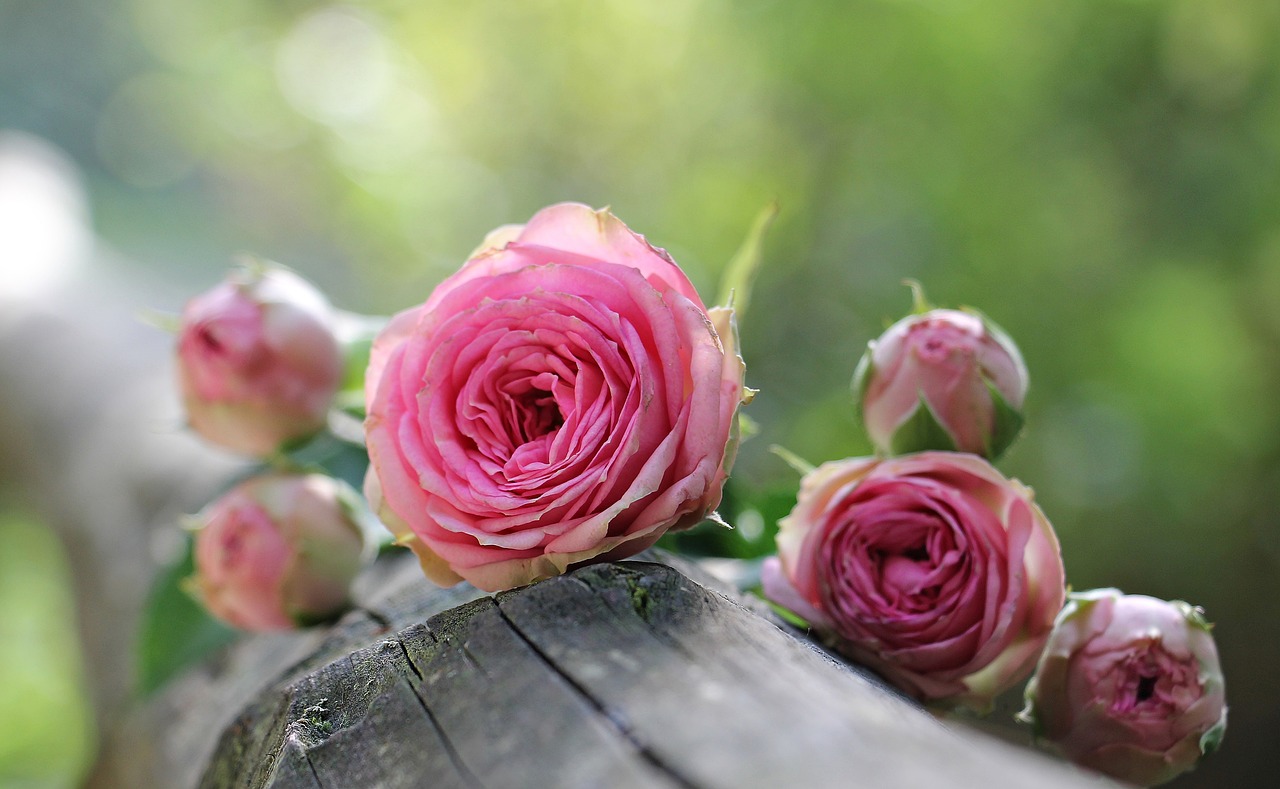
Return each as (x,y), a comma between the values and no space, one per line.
(1129,686)
(565,397)
(278,551)
(932,569)
(258,364)
(942,379)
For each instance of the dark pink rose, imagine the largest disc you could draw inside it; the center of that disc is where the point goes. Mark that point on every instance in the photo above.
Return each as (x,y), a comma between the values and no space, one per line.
(564,397)
(933,569)
(278,551)
(943,379)
(258,364)
(1130,686)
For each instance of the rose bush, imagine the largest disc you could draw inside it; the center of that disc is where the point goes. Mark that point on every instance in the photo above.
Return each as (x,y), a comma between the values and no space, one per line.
(943,379)
(278,551)
(564,397)
(258,364)
(1130,686)
(933,569)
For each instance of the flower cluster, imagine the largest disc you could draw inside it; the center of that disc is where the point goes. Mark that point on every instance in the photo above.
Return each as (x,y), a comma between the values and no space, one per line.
(567,397)
(929,566)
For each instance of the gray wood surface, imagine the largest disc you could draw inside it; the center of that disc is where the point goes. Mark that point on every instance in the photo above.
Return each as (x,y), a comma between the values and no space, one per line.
(617,675)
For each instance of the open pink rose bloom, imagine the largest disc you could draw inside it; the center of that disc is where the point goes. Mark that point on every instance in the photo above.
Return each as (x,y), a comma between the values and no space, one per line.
(278,551)
(1130,686)
(932,569)
(943,379)
(258,364)
(564,397)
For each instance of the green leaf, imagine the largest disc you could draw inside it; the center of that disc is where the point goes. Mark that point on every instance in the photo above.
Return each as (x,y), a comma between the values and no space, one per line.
(740,274)
(919,303)
(355,362)
(1029,713)
(1008,430)
(249,268)
(176,631)
(1094,595)
(1079,603)
(168,322)
(799,464)
(1007,424)
(786,614)
(921,431)
(1212,739)
(1194,615)
(328,454)
(862,379)
(355,334)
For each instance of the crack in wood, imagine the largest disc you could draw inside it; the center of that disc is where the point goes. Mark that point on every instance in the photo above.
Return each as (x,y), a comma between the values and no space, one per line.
(312,767)
(405,651)
(464,772)
(616,720)
(472,659)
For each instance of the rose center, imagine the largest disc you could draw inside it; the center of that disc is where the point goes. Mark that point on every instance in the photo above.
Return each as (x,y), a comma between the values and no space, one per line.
(232,548)
(1153,680)
(918,554)
(908,575)
(534,415)
(209,339)
(1146,689)
(938,343)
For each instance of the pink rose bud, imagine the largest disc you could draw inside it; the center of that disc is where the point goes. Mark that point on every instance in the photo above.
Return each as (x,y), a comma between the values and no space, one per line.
(278,551)
(565,397)
(258,364)
(932,569)
(1129,686)
(943,379)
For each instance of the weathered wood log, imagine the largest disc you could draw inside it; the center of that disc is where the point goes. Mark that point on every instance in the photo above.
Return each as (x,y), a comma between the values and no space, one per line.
(616,675)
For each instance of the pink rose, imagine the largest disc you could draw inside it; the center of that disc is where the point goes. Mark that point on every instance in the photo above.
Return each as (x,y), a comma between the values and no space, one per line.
(564,397)
(278,551)
(258,364)
(1130,686)
(933,569)
(944,379)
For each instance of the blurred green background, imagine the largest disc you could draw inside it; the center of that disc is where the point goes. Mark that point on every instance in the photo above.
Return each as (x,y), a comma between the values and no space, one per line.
(1102,178)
